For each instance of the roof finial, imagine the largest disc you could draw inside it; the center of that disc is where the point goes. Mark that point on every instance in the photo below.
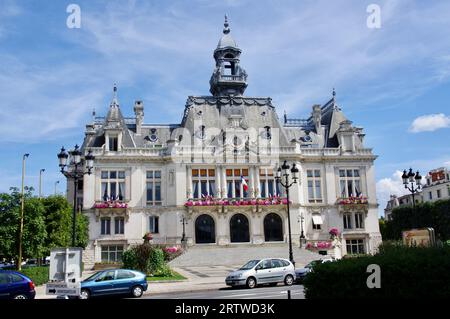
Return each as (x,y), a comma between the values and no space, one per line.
(226,29)
(334,93)
(114,101)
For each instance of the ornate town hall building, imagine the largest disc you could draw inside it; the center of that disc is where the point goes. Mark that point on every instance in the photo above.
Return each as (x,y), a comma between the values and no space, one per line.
(216,171)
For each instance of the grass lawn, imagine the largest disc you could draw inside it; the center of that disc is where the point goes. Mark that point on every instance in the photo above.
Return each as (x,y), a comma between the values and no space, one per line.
(176,276)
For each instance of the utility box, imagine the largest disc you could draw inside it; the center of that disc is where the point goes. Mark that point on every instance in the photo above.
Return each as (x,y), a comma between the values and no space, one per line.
(65,271)
(65,264)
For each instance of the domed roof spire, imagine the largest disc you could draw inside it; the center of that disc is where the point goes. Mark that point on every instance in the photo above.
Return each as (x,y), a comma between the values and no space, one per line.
(226,40)
(226,29)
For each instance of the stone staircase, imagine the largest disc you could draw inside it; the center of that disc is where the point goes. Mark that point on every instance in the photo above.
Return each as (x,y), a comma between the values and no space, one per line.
(239,254)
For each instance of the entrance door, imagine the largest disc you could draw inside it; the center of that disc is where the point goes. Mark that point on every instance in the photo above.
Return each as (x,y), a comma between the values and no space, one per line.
(239,229)
(273,228)
(205,232)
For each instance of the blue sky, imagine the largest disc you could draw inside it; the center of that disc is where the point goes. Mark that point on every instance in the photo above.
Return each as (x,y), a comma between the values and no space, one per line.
(393,81)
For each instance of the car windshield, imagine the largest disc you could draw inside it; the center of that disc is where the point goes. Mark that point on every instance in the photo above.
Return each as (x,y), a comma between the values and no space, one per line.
(250,265)
(94,276)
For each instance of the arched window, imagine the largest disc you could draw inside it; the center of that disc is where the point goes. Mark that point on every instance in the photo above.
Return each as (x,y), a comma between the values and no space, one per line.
(273,227)
(239,229)
(205,230)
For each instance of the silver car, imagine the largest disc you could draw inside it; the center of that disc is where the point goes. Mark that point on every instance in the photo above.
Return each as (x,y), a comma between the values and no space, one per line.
(263,271)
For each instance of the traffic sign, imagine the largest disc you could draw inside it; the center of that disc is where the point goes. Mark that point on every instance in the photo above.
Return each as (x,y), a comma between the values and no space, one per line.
(63,289)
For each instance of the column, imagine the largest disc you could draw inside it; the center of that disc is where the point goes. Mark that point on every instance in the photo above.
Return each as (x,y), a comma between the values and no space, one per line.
(252,180)
(218,181)
(258,191)
(224,182)
(189,181)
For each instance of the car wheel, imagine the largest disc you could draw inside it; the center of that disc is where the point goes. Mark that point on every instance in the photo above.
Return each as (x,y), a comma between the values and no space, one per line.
(288,280)
(137,291)
(20,296)
(85,294)
(251,283)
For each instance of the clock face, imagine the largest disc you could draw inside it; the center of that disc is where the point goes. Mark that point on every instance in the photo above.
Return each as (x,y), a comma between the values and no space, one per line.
(307,138)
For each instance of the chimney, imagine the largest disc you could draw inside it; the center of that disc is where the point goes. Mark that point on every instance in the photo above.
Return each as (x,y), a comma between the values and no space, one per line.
(139,114)
(317,118)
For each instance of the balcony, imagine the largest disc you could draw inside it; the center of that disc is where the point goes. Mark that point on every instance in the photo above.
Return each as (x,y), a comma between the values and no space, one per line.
(352,203)
(222,205)
(110,204)
(232,78)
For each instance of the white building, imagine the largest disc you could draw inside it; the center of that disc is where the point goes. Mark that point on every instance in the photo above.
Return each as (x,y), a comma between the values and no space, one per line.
(156,174)
(397,201)
(437,186)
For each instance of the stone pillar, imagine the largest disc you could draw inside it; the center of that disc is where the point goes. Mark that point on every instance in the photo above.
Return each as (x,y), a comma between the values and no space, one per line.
(251,176)
(257,229)
(224,182)
(218,181)
(258,191)
(189,181)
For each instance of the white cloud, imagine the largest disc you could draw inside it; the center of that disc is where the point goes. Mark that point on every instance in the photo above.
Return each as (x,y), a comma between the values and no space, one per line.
(430,123)
(389,186)
(165,54)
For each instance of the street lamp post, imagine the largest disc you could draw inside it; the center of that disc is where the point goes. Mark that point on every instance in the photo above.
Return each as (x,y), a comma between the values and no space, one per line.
(283,171)
(22,207)
(183,236)
(56,183)
(76,172)
(302,235)
(42,170)
(410,178)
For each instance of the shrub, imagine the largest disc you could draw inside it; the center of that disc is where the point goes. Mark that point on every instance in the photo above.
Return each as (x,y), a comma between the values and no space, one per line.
(130,259)
(169,252)
(39,275)
(143,253)
(156,261)
(406,272)
(164,271)
(150,259)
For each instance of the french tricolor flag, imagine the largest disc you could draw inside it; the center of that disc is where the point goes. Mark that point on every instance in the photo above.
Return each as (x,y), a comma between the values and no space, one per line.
(244,183)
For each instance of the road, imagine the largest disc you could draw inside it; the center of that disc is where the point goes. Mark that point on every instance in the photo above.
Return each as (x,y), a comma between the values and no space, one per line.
(278,292)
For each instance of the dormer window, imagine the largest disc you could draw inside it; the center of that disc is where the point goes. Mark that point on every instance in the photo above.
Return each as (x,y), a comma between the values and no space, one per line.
(201,134)
(236,141)
(113,143)
(267,132)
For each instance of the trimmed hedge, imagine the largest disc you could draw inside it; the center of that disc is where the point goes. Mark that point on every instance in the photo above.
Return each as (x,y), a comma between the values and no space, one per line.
(406,272)
(39,275)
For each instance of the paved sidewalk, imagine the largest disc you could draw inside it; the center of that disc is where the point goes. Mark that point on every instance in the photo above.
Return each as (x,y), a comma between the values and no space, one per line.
(199,278)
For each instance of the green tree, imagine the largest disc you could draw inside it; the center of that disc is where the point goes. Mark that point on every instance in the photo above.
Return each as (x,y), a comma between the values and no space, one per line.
(47,224)
(58,220)
(34,232)
(429,214)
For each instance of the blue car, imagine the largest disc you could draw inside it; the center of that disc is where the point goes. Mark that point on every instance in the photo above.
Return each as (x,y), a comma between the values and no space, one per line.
(114,282)
(14,285)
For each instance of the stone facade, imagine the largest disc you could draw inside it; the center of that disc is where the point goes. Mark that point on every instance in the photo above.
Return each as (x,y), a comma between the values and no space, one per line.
(151,177)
